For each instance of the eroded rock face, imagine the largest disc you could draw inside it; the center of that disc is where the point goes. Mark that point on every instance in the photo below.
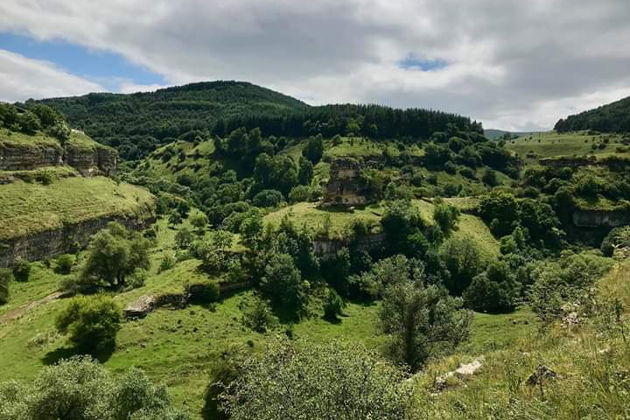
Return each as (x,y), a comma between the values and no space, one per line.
(99,160)
(328,248)
(345,188)
(52,243)
(17,157)
(601,218)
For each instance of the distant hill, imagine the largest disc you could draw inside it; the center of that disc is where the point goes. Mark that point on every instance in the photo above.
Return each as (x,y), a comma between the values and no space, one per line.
(136,124)
(611,118)
(494,134)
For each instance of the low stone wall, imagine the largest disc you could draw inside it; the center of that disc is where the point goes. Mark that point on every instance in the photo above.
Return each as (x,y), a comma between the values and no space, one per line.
(601,218)
(52,243)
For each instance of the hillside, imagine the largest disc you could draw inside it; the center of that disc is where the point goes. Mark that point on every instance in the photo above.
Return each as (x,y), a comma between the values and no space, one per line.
(610,118)
(135,124)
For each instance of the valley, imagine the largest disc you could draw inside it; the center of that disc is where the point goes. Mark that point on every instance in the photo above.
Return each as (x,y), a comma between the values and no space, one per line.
(206,233)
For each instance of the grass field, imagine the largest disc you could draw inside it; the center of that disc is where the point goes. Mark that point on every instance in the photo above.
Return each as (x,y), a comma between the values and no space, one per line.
(28,208)
(21,139)
(552,144)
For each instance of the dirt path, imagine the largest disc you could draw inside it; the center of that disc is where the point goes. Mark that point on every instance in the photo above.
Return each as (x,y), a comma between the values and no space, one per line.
(21,310)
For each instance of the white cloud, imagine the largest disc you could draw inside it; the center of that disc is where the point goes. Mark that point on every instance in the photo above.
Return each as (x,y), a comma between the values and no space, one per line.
(22,78)
(513,64)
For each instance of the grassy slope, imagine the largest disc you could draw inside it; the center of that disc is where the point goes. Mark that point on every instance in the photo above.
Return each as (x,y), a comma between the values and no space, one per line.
(552,144)
(30,207)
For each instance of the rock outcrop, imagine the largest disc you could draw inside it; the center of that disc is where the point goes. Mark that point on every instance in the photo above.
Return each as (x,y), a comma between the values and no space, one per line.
(52,243)
(345,187)
(601,218)
(88,157)
(328,248)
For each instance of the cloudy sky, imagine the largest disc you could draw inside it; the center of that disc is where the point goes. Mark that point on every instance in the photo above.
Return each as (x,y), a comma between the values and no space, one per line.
(513,64)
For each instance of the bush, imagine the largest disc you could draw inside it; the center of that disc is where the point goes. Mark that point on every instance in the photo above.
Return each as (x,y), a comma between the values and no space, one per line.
(21,269)
(79,388)
(258,316)
(489,177)
(333,306)
(199,221)
(463,260)
(618,237)
(445,216)
(168,262)
(317,382)
(494,290)
(422,321)
(203,292)
(64,263)
(5,277)
(282,283)
(268,198)
(91,322)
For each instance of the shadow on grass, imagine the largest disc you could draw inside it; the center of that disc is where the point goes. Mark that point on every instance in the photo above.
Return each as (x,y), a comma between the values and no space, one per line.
(102,354)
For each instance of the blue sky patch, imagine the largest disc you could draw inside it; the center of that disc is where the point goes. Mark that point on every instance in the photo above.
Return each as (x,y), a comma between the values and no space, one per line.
(105,68)
(412,63)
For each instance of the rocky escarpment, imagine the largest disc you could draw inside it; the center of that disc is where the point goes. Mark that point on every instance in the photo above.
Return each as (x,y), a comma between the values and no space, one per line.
(346,187)
(79,152)
(52,243)
(601,218)
(328,248)
(22,157)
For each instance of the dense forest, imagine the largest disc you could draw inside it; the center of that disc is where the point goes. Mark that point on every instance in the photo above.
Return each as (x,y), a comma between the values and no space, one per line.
(610,118)
(136,124)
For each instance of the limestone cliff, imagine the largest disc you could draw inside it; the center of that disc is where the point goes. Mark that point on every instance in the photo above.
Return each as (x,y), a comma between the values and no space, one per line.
(19,152)
(601,218)
(345,187)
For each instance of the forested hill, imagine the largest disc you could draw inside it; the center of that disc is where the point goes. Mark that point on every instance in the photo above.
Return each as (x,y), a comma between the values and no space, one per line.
(611,118)
(136,124)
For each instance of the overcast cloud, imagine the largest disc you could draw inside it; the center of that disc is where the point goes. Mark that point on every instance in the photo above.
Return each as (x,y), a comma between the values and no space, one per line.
(513,64)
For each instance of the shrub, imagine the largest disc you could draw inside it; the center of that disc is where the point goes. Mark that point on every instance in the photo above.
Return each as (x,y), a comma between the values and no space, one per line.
(258,316)
(21,269)
(5,277)
(282,283)
(199,221)
(463,260)
(64,263)
(168,262)
(618,237)
(184,238)
(494,290)
(91,322)
(79,388)
(333,306)
(203,292)
(445,216)
(489,177)
(317,382)
(422,321)
(268,198)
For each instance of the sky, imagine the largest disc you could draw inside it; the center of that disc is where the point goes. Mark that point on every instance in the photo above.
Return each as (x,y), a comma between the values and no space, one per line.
(513,64)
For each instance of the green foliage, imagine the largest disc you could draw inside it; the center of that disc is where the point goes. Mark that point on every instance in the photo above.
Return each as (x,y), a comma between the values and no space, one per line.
(79,388)
(608,118)
(282,283)
(64,263)
(333,305)
(317,382)
(114,253)
(258,316)
(305,174)
(463,260)
(618,237)
(565,280)
(386,273)
(421,321)
(277,172)
(494,291)
(168,261)
(184,238)
(199,221)
(446,217)
(268,198)
(314,149)
(500,211)
(203,292)
(91,322)
(401,222)
(5,278)
(21,269)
